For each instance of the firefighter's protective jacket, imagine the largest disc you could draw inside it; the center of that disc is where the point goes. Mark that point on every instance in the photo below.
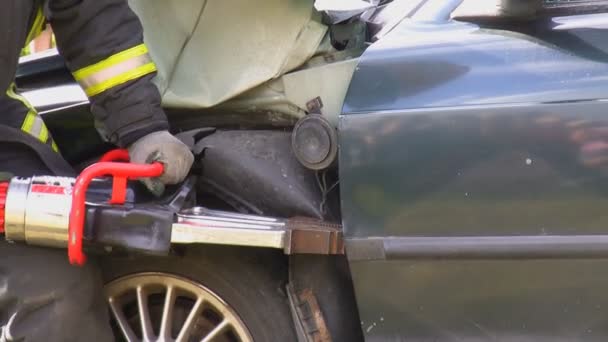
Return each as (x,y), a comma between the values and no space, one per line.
(102,43)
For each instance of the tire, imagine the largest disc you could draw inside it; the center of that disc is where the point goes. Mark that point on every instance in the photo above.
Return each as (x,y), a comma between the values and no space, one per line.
(250,281)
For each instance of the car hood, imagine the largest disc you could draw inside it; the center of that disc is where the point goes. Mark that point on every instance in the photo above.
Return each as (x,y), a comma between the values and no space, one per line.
(210,51)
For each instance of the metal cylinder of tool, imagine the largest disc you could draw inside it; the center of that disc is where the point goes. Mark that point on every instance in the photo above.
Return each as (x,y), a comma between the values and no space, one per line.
(37,210)
(14,212)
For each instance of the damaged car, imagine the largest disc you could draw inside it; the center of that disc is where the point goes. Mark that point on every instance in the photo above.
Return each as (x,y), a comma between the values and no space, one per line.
(417,170)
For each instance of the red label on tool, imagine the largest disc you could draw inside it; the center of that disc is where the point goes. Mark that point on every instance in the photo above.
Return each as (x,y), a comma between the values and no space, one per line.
(48,189)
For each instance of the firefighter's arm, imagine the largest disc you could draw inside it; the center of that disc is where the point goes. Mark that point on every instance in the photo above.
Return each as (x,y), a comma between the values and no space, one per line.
(102,42)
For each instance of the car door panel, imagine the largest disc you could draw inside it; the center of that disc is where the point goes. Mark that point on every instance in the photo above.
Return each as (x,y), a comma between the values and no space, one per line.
(474,186)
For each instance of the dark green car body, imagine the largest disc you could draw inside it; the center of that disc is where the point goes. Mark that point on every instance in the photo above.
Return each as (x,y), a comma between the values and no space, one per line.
(474,182)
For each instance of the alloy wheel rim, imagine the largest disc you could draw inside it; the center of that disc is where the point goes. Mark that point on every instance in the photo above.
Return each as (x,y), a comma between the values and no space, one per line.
(156,306)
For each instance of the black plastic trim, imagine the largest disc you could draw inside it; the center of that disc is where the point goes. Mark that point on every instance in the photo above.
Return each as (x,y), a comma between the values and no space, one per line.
(478,247)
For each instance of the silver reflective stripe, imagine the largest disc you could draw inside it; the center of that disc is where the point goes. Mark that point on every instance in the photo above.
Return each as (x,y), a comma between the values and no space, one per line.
(114,71)
(38,128)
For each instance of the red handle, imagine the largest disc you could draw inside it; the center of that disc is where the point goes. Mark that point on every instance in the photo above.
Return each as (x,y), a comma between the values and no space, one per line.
(120,154)
(120,173)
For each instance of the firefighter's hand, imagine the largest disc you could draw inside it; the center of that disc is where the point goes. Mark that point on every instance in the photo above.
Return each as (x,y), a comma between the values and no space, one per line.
(164,148)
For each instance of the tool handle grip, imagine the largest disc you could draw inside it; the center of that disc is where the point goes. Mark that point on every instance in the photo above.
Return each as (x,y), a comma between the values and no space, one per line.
(119,154)
(120,173)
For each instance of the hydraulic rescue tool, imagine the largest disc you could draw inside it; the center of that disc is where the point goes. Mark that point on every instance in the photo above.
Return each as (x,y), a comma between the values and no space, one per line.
(102,213)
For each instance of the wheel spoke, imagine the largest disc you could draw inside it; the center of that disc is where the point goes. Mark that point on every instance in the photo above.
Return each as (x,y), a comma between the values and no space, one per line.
(216,331)
(139,291)
(144,314)
(167,319)
(119,316)
(189,324)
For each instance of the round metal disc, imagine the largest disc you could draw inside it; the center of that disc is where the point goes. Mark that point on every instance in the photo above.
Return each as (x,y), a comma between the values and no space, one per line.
(314,142)
(166,307)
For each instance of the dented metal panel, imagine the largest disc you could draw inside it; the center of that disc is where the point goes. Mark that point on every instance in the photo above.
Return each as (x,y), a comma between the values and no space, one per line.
(210,51)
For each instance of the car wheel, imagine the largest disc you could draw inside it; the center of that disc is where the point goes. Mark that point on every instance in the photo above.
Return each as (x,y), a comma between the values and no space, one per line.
(226,297)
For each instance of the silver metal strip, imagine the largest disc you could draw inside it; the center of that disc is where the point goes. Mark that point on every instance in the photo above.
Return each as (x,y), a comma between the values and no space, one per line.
(39,55)
(294,236)
(53,97)
(197,212)
(228,235)
(202,225)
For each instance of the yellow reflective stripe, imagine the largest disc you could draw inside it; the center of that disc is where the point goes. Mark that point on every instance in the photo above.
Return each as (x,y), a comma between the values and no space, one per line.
(31,115)
(44,133)
(117,69)
(110,61)
(10,92)
(114,70)
(32,124)
(29,121)
(120,79)
(36,26)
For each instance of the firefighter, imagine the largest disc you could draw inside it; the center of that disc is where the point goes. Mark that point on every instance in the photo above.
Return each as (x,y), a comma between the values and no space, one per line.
(42,297)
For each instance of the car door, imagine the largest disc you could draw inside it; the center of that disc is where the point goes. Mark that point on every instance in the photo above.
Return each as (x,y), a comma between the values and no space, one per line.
(474,180)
